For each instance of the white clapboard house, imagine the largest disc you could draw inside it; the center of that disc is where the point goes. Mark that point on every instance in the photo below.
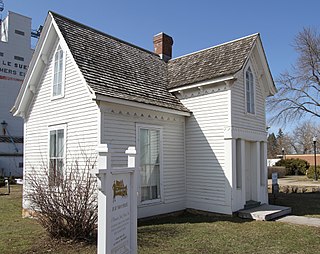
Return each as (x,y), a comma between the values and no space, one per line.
(197,121)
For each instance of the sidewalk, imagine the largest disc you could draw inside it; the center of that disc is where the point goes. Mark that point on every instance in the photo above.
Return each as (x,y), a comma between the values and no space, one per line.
(296,181)
(299,181)
(300,220)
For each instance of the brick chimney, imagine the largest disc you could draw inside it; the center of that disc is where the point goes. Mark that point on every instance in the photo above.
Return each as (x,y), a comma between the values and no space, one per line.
(162,44)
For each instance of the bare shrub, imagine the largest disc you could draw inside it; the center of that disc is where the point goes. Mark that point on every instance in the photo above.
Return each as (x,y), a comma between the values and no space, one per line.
(65,203)
(294,189)
(286,189)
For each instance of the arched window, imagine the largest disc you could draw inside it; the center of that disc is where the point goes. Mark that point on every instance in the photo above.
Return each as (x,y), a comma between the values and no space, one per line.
(250,91)
(58,80)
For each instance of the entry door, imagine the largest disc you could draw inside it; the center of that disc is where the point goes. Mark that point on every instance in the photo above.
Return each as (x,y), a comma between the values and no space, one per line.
(248,170)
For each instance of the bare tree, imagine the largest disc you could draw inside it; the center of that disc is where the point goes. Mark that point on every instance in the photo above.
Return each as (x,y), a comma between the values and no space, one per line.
(278,142)
(285,142)
(302,137)
(272,146)
(299,91)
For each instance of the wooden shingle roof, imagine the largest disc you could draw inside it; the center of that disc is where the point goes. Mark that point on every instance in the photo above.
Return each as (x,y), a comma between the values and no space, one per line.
(117,69)
(214,62)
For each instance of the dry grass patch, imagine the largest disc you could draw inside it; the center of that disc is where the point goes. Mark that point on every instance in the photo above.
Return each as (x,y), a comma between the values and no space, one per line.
(18,235)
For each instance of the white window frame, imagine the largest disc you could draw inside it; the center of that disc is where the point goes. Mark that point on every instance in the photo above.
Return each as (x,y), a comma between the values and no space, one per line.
(61,95)
(56,128)
(252,92)
(140,126)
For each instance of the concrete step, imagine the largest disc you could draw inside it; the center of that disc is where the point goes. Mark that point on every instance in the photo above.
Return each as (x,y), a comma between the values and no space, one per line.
(264,212)
(251,204)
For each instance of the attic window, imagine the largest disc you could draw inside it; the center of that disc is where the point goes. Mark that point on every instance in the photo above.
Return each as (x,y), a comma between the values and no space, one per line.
(58,74)
(250,91)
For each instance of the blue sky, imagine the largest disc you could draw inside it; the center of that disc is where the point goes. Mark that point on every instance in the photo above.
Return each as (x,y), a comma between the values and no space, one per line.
(194,25)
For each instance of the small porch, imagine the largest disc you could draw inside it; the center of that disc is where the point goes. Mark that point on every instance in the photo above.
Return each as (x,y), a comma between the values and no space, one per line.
(264,212)
(248,171)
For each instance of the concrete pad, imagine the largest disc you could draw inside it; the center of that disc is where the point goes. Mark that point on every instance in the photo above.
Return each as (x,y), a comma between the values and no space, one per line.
(264,212)
(301,220)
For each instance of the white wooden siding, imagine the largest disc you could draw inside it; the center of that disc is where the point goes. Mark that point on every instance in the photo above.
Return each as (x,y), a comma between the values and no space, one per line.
(247,127)
(77,110)
(206,179)
(240,118)
(119,132)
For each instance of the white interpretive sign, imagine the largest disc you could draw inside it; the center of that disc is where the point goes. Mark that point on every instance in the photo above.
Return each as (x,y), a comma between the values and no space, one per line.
(275,178)
(120,213)
(117,205)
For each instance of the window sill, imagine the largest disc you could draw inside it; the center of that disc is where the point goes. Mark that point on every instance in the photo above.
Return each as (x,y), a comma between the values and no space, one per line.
(150,202)
(57,97)
(252,115)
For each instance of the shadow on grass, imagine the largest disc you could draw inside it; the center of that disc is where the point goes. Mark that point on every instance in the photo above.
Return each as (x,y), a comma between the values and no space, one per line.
(154,236)
(301,203)
(187,217)
(168,232)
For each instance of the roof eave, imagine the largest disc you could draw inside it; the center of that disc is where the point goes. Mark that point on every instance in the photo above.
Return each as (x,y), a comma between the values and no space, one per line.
(272,90)
(39,59)
(271,86)
(105,98)
(224,78)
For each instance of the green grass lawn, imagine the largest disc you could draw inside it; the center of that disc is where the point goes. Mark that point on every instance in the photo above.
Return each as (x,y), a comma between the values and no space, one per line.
(186,233)
(198,234)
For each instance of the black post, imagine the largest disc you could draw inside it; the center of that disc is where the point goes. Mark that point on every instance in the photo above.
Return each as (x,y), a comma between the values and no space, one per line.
(315,158)
(9,183)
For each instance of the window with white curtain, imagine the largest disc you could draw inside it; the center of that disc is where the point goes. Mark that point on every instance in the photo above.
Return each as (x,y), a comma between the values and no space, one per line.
(58,73)
(250,91)
(56,155)
(149,142)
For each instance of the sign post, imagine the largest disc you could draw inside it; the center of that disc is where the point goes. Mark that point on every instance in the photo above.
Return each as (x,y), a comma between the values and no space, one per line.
(117,205)
(275,185)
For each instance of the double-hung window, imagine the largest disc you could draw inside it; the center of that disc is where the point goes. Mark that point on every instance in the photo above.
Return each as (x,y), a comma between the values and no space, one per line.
(58,73)
(150,163)
(56,154)
(250,91)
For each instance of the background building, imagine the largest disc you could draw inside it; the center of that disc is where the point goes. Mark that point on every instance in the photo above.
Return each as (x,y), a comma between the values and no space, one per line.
(307,157)
(15,55)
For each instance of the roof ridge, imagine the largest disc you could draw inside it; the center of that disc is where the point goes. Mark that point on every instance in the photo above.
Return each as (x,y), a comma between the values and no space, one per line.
(104,34)
(215,46)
